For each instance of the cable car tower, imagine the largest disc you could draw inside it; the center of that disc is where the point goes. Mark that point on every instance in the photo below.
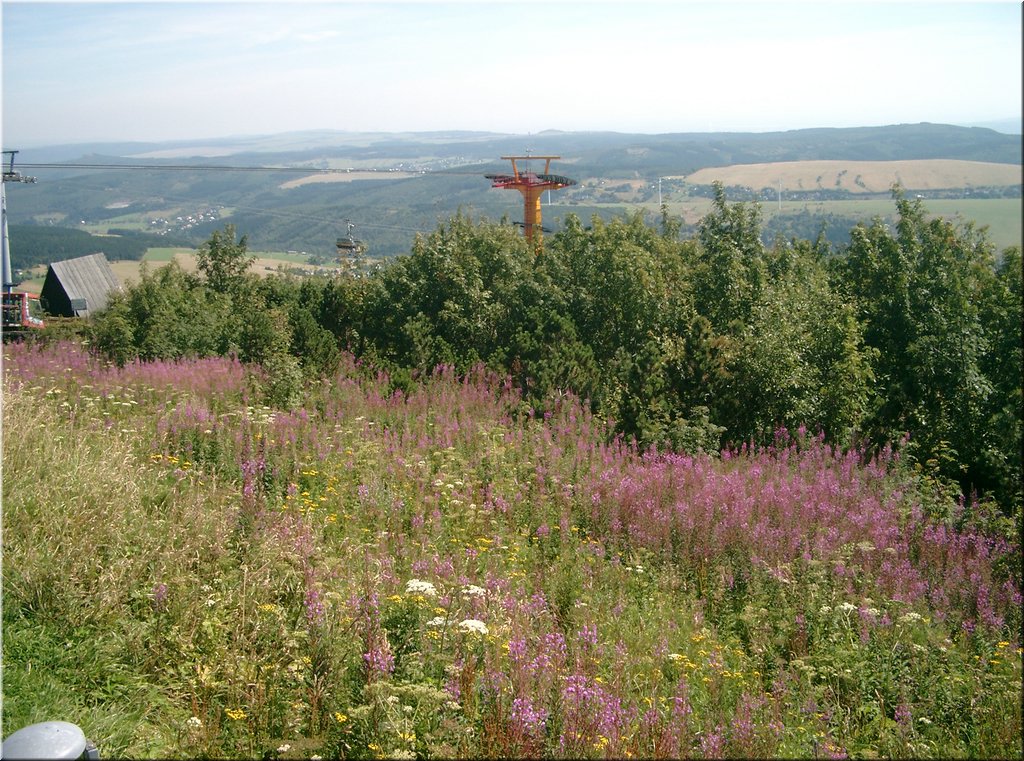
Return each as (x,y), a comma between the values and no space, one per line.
(531,185)
(16,306)
(9,175)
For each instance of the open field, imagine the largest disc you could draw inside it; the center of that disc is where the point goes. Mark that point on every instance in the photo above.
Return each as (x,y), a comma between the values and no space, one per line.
(1002,216)
(266,263)
(347,177)
(862,176)
(441,573)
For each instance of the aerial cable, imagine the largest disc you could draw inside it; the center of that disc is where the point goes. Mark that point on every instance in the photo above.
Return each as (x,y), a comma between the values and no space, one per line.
(230,168)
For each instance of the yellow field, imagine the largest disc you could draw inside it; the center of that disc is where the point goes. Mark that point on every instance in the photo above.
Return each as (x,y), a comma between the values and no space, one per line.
(347,177)
(862,176)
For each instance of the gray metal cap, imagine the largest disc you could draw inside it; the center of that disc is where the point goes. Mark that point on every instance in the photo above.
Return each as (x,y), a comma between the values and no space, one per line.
(48,739)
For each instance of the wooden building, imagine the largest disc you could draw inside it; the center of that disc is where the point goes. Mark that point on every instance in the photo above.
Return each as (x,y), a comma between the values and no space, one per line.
(78,287)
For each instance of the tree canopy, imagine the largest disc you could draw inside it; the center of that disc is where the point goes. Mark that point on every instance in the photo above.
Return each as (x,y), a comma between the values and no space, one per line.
(688,344)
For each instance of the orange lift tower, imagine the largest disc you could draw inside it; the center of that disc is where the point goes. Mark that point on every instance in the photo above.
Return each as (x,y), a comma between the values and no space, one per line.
(531,185)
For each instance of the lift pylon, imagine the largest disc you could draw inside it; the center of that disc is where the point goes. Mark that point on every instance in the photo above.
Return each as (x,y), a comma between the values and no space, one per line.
(531,185)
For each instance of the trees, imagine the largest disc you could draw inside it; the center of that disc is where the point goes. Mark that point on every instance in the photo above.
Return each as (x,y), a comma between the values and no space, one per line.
(791,349)
(1002,363)
(683,343)
(944,326)
(225,261)
(643,351)
(168,314)
(457,298)
(728,271)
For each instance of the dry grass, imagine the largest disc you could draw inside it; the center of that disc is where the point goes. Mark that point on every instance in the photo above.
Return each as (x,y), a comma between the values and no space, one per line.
(80,506)
(862,176)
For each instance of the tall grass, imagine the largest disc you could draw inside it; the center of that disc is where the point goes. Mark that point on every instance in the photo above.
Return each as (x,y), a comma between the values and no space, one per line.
(188,572)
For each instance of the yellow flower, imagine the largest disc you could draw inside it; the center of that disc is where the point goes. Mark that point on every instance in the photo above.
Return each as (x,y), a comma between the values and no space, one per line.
(235,714)
(340,717)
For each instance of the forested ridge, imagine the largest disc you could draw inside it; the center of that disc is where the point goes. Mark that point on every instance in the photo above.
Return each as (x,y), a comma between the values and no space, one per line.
(910,336)
(37,244)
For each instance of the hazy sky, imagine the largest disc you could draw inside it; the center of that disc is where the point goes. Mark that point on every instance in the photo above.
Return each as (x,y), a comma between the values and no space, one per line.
(167,70)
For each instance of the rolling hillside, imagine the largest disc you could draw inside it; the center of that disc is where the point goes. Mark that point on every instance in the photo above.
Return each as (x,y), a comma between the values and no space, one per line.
(430,176)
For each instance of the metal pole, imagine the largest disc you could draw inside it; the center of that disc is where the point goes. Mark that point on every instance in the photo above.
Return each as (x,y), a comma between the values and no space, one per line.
(8,283)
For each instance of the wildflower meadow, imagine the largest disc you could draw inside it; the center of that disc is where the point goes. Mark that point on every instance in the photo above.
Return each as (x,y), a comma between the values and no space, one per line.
(438,570)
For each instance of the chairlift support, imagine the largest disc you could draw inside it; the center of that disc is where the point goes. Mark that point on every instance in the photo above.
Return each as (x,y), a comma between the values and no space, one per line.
(19,308)
(531,185)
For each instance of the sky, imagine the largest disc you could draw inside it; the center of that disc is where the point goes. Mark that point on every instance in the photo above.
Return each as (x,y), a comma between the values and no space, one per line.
(83,71)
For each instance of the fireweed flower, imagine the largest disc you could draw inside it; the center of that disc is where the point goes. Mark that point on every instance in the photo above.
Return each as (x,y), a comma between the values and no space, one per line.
(159,595)
(379,660)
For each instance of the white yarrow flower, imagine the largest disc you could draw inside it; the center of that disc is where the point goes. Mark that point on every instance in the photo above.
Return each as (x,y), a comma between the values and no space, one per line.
(473,625)
(472,590)
(418,587)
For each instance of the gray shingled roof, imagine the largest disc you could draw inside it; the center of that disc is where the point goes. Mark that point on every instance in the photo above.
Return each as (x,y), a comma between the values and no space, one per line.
(87,280)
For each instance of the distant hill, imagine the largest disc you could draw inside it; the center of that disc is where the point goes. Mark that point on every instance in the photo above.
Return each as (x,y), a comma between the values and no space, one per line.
(431,175)
(677,153)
